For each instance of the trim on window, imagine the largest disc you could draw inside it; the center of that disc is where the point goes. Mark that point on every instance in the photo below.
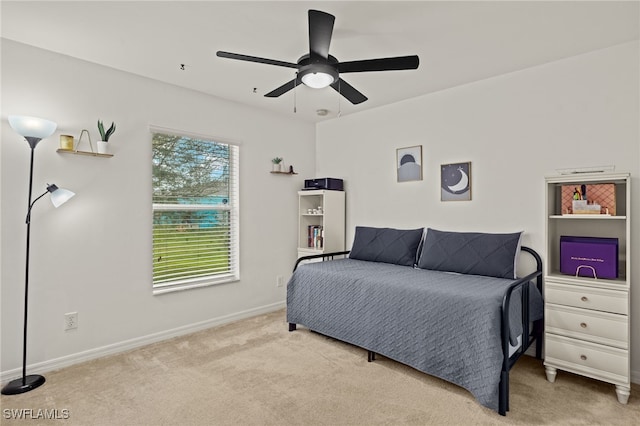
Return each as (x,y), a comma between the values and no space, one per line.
(192,283)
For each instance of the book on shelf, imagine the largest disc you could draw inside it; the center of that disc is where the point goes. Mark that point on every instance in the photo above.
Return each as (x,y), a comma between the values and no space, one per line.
(315,236)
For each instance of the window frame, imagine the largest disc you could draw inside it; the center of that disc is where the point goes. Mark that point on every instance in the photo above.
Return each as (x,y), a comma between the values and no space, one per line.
(233,207)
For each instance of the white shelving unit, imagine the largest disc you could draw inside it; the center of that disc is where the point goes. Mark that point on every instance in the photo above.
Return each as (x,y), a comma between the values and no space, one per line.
(586,319)
(324,209)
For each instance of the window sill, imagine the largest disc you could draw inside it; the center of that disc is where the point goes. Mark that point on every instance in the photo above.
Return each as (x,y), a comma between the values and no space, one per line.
(192,284)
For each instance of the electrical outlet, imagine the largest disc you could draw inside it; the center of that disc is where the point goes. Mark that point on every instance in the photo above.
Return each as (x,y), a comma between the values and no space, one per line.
(279,281)
(70,321)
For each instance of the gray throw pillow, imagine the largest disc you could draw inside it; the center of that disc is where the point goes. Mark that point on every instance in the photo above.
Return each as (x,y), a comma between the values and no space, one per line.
(476,253)
(397,246)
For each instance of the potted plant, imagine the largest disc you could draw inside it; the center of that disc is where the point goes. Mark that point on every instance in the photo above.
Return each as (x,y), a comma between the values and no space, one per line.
(277,166)
(104,137)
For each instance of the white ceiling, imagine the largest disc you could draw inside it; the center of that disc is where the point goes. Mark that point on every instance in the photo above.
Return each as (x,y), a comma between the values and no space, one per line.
(457,42)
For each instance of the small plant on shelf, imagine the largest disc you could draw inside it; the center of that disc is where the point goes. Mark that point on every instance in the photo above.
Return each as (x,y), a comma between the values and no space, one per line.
(277,166)
(104,136)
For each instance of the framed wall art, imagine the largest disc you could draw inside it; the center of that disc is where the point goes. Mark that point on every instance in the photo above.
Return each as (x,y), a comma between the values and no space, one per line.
(409,163)
(455,182)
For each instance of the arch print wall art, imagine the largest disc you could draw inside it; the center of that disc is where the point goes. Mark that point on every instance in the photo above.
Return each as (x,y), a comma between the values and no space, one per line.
(455,182)
(409,163)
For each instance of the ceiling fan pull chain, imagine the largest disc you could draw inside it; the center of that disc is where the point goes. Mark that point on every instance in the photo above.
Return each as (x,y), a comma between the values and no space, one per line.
(339,103)
(295,83)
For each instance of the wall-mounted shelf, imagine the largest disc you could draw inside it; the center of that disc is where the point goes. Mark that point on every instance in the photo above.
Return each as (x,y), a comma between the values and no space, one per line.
(93,154)
(283,173)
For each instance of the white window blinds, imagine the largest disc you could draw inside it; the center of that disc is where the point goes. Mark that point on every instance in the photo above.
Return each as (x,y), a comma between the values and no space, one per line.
(195,212)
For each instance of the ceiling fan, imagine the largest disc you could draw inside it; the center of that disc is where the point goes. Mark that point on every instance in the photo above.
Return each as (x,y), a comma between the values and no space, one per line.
(318,69)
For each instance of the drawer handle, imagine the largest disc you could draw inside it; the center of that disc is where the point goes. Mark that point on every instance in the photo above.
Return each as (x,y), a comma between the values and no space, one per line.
(583,324)
(584,298)
(583,357)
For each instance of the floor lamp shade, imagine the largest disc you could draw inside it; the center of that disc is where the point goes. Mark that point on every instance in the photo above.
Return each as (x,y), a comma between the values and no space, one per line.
(59,196)
(32,127)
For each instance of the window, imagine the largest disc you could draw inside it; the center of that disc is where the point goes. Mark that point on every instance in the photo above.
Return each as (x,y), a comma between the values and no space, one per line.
(195,212)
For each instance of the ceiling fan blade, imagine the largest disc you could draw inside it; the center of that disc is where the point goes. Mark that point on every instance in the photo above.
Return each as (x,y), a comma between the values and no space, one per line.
(255,59)
(320,30)
(349,92)
(382,64)
(284,88)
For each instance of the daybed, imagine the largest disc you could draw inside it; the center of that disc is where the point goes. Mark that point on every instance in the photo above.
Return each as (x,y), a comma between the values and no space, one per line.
(446,303)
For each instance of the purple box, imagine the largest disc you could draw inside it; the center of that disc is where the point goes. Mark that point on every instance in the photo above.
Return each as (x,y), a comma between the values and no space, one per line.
(589,257)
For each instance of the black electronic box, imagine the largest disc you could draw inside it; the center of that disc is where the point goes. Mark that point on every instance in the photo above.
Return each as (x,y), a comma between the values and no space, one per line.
(323,183)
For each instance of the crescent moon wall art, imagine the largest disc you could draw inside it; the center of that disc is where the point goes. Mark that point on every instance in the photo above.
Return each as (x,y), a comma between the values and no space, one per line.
(455,182)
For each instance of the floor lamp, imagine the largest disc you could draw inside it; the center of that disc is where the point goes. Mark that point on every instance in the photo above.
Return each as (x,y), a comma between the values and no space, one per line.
(34,130)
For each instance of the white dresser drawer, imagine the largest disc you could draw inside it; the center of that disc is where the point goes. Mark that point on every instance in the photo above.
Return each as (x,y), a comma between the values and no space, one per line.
(586,297)
(594,326)
(597,361)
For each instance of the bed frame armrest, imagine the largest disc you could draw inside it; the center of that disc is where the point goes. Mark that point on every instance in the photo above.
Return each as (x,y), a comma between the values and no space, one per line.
(506,301)
(324,256)
(507,361)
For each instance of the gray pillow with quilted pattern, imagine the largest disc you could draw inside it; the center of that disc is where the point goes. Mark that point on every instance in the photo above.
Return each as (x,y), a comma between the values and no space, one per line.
(397,246)
(476,253)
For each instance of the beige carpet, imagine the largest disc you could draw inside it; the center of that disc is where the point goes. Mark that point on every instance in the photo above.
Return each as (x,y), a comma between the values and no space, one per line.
(254,372)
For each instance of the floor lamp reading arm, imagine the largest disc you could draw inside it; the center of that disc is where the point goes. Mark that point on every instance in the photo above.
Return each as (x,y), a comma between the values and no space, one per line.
(28,219)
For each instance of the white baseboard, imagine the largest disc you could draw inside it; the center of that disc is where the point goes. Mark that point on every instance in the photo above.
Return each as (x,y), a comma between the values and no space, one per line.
(68,360)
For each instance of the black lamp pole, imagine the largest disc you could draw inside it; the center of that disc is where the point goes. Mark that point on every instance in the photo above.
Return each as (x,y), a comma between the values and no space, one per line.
(26,383)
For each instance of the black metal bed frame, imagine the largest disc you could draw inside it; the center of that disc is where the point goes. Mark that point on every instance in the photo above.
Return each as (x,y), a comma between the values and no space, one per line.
(508,361)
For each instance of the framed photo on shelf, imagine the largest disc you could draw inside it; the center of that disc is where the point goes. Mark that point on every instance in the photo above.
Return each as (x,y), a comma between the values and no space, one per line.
(455,182)
(409,163)
(599,198)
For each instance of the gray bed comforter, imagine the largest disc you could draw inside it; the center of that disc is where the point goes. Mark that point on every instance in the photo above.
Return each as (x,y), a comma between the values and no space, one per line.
(444,324)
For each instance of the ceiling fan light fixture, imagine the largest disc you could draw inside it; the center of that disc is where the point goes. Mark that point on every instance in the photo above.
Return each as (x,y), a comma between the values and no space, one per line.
(317,80)
(318,76)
